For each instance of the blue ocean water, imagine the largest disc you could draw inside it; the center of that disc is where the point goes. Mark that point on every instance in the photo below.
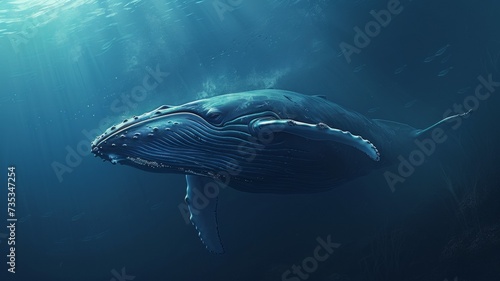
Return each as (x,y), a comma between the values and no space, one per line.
(71,69)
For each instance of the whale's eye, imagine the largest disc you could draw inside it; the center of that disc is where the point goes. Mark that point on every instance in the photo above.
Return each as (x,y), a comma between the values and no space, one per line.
(214,114)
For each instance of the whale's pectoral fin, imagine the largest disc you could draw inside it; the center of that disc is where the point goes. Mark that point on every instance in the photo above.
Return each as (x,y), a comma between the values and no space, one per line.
(318,131)
(203,211)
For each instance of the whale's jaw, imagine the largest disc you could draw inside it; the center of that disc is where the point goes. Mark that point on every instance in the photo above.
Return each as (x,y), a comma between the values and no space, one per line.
(179,142)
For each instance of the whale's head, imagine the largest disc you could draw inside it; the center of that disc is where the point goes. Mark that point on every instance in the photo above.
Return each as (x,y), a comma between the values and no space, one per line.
(200,137)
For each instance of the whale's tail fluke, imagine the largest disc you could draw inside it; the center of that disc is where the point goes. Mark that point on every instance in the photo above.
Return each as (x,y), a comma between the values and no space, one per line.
(448,123)
(404,137)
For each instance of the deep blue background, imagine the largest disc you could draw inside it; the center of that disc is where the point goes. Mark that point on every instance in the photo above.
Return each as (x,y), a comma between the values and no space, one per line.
(76,58)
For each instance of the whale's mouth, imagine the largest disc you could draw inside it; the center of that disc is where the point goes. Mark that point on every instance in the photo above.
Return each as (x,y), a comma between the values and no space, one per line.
(179,142)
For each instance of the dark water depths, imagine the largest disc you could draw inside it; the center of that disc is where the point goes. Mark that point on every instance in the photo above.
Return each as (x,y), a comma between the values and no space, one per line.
(70,69)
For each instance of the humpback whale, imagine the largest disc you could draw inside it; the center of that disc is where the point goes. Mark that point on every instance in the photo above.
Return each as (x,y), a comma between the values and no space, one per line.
(264,141)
